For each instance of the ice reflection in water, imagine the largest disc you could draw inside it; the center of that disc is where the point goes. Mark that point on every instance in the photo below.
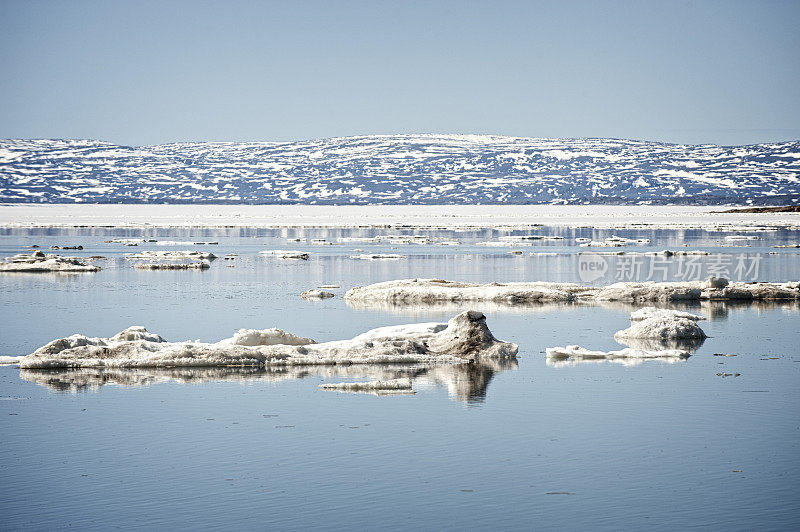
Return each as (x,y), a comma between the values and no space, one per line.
(464,382)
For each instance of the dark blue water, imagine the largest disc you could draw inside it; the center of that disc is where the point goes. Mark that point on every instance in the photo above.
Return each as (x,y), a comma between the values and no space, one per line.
(594,446)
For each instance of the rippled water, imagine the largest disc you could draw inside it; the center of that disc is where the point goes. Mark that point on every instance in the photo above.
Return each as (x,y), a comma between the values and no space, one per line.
(600,446)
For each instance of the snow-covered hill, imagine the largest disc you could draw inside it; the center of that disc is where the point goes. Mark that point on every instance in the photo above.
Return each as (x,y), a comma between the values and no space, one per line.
(400,169)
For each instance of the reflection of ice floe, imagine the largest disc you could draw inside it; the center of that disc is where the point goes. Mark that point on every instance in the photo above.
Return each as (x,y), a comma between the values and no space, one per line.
(465,382)
(40,262)
(402,385)
(378,256)
(464,338)
(433,291)
(572,355)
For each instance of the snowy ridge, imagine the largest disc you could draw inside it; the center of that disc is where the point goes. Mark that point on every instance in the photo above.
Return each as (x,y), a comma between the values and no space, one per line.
(399,169)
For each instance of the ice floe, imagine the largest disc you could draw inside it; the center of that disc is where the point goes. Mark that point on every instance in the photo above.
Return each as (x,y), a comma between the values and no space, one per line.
(612,242)
(171,255)
(285,254)
(664,326)
(434,291)
(203,265)
(654,312)
(272,336)
(41,262)
(185,243)
(465,338)
(316,294)
(573,354)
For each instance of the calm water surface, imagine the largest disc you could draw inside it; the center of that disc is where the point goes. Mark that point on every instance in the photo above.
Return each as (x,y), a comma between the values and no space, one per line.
(528,445)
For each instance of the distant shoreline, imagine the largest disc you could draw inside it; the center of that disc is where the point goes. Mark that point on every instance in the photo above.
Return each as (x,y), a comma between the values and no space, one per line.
(396,216)
(786,208)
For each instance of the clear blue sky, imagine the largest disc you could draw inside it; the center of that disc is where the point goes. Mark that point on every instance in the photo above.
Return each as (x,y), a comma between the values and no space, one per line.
(141,72)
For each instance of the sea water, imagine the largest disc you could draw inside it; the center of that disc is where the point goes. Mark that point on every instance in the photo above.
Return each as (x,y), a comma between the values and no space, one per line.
(711,442)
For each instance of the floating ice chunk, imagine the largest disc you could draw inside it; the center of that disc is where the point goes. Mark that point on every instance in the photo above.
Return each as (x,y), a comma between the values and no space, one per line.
(185,243)
(378,256)
(41,262)
(463,339)
(5,360)
(602,244)
(430,291)
(662,327)
(741,237)
(129,241)
(204,265)
(131,334)
(716,282)
(329,286)
(582,240)
(284,254)
(316,294)
(394,385)
(504,244)
(273,336)
(573,354)
(171,255)
(653,312)
(437,291)
(613,241)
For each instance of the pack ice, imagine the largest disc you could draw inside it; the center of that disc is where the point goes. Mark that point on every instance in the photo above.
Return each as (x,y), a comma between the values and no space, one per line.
(463,339)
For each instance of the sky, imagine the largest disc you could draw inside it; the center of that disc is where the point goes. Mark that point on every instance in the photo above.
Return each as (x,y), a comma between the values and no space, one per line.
(141,72)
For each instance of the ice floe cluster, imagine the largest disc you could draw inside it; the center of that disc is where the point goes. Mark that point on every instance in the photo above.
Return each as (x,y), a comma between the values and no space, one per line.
(464,339)
(171,255)
(45,262)
(654,334)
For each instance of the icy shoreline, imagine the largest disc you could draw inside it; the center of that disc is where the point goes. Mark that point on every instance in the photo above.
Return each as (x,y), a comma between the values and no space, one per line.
(421,216)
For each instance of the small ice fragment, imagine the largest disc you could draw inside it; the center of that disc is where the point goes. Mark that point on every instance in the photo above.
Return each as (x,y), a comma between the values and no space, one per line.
(316,294)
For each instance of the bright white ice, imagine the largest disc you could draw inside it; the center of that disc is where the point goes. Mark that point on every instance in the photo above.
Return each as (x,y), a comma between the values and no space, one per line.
(463,339)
